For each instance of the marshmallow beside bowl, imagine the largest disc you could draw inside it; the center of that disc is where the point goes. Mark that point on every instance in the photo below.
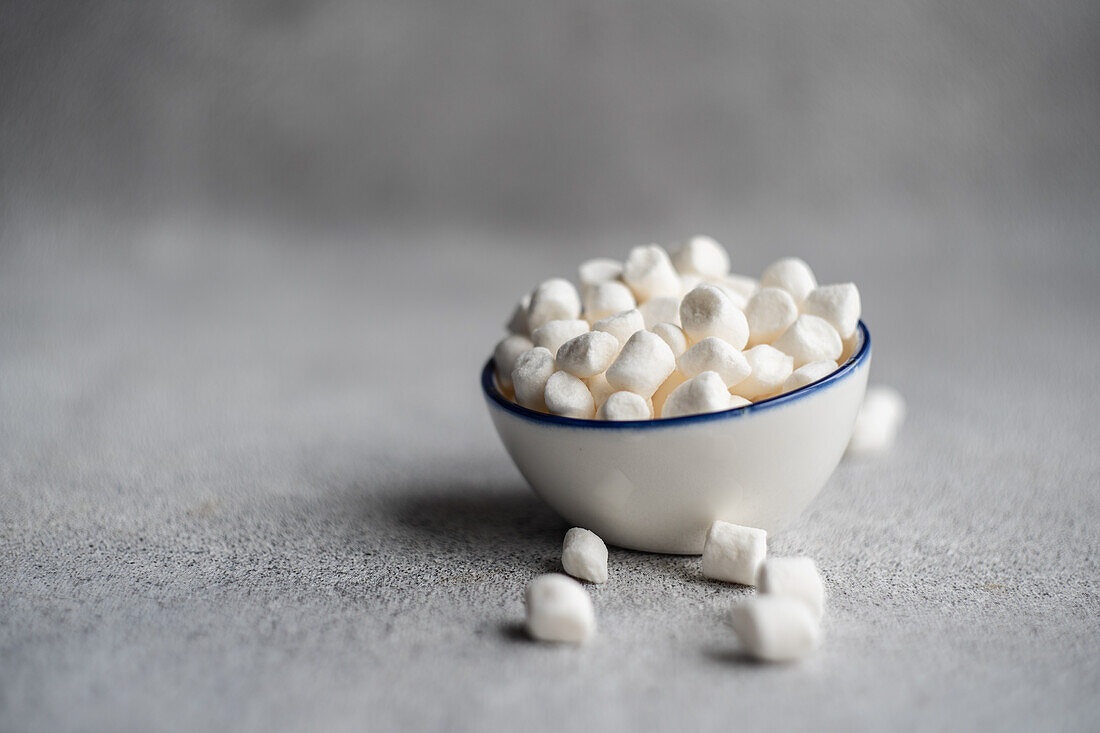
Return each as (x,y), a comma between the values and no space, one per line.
(657,485)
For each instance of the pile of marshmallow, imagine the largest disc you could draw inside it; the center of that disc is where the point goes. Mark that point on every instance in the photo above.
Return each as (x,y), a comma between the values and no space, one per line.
(781,623)
(661,336)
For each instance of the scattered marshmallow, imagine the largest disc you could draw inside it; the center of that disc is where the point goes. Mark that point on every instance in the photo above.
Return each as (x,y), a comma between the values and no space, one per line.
(673,336)
(707,311)
(598,270)
(796,577)
(715,355)
(775,628)
(625,406)
(643,364)
(600,388)
(733,553)
(553,300)
(605,299)
(517,324)
(505,354)
(810,338)
(588,354)
(769,313)
(660,310)
(704,393)
(568,396)
(880,416)
(621,325)
(790,274)
(770,368)
(661,395)
(584,555)
(533,369)
(837,304)
(808,374)
(552,334)
(702,256)
(650,274)
(559,609)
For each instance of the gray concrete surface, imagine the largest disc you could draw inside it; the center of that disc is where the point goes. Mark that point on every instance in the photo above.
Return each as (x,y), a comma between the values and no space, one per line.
(250,485)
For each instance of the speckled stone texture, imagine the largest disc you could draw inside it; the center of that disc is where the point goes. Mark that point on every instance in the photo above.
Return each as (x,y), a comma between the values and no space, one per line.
(228,503)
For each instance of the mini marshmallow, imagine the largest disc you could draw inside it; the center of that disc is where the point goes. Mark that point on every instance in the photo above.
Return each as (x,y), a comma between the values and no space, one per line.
(810,339)
(775,628)
(702,256)
(568,396)
(850,345)
(605,299)
(643,364)
(650,274)
(792,275)
(715,355)
(707,311)
(584,555)
(796,577)
(837,304)
(880,416)
(700,394)
(599,387)
(743,285)
(770,312)
(625,406)
(688,281)
(733,553)
(588,354)
(559,609)
(808,374)
(621,325)
(672,336)
(660,310)
(770,368)
(598,270)
(661,395)
(553,300)
(552,334)
(738,401)
(533,368)
(505,354)
(517,324)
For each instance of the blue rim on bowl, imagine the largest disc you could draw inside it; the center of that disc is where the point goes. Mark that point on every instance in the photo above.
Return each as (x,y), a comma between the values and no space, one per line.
(493,395)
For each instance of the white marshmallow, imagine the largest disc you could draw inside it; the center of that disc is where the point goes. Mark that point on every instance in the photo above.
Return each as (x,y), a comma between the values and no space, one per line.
(660,310)
(559,609)
(587,355)
(733,553)
(808,374)
(650,274)
(700,394)
(688,281)
(600,388)
(743,285)
(770,368)
(791,274)
(837,304)
(553,300)
(661,395)
(621,325)
(707,311)
(769,313)
(584,555)
(702,256)
(518,322)
(598,270)
(625,406)
(643,364)
(880,416)
(796,577)
(568,396)
(715,355)
(850,345)
(810,339)
(533,368)
(672,336)
(505,354)
(775,628)
(738,401)
(605,299)
(552,334)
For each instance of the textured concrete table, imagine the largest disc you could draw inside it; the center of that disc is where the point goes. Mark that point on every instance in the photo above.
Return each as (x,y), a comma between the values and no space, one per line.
(248,485)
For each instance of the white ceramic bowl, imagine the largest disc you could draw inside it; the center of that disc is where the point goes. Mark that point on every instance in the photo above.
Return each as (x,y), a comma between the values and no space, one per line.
(657,485)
